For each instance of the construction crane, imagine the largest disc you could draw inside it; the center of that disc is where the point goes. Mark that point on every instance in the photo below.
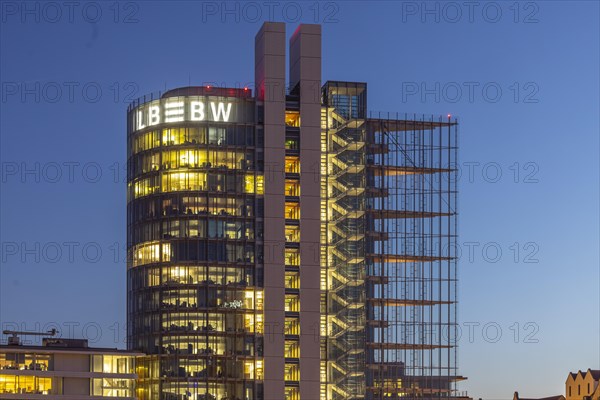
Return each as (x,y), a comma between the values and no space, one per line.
(14,339)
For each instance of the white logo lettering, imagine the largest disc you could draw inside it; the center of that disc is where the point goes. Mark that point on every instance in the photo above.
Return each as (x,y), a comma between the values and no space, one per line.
(196,111)
(174,111)
(171,111)
(220,110)
(140,120)
(153,115)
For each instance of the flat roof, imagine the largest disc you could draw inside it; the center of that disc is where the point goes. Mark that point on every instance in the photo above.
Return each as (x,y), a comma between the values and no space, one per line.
(6,348)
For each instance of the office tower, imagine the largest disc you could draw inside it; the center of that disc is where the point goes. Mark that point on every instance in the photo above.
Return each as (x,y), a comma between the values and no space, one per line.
(284,245)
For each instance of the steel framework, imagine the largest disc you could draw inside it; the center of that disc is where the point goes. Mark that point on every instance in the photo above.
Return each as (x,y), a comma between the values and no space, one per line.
(389,207)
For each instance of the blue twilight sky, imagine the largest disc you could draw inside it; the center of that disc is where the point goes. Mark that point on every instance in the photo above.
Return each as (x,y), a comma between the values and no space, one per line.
(523,78)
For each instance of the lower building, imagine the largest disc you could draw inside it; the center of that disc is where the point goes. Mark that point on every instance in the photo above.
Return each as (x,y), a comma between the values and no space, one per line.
(517,397)
(579,386)
(66,369)
(583,385)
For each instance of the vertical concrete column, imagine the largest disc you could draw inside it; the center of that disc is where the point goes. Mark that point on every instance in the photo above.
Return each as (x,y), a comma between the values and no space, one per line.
(305,70)
(270,89)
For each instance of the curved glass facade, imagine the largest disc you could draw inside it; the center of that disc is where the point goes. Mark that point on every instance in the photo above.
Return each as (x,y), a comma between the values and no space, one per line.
(194,241)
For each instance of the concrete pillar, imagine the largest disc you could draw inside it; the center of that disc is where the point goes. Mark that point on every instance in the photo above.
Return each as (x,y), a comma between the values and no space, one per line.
(305,70)
(270,89)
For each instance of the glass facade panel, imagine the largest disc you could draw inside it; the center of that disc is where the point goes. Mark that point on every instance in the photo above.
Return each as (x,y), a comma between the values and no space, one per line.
(292,210)
(292,257)
(292,233)
(292,164)
(292,326)
(22,384)
(292,188)
(292,372)
(195,302)
(112,387)
(25,361)
(292,118)
(292,280)
(292,393)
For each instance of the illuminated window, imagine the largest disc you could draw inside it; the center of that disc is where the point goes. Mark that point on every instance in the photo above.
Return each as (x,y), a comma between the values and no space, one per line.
(176,136)
(254,184)
(249,370)
(323,371)
(292,233)
(176,181)
(148,253)
(25,361)
(259,300)
(173,136)
(25,384)
(292,393)
(112,387)
(189,158)
(259,369)
(292,349)
(292,257)
(292,118)
(292,210)
(144,187)
(292,280)
(228,160)
(259,327)
(253,324)
(292,164)
(292,303)
(291,326)
(260,184)
(184,158)
(248,301)
(292,187)
(292,372)
(112,364)
(177,275)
